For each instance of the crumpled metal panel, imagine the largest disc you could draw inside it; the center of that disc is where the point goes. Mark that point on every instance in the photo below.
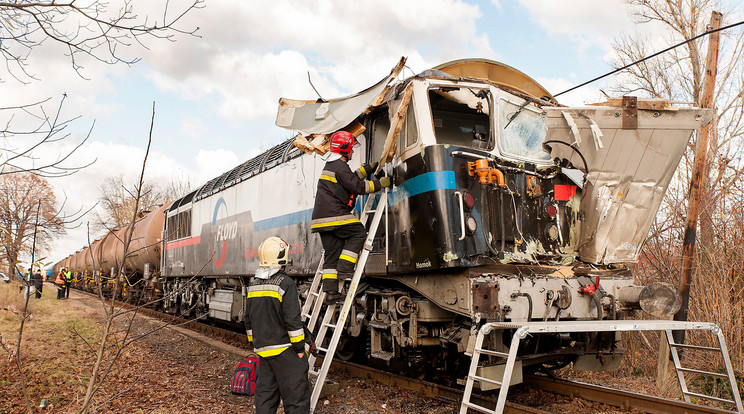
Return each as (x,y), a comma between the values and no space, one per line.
(628,171)
(314,117)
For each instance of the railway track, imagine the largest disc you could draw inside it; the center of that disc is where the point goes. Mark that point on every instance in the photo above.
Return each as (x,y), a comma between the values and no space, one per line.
(598,394)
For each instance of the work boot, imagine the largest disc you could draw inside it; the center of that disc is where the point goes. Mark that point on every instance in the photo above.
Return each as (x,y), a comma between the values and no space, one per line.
(332,298)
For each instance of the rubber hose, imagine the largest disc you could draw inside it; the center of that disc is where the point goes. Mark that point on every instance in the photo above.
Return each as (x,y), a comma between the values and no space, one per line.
(596,297)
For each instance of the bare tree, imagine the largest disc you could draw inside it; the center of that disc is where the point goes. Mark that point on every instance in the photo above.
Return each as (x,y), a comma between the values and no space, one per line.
(678,75)
(19,195)
(19,148)
(118,200)
(102,31)
(117,329)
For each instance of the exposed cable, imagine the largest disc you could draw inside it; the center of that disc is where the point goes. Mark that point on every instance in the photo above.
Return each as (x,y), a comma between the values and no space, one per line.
(651,56)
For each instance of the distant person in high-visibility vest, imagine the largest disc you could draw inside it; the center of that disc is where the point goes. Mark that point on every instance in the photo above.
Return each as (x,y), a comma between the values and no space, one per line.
(68,282)
(274,326)
(60,282)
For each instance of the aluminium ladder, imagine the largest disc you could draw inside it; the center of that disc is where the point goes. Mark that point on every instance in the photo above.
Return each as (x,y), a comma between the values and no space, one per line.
(313,305)
(526,328)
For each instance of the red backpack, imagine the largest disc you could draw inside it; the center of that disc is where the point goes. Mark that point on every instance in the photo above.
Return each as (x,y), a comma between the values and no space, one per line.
(245,376)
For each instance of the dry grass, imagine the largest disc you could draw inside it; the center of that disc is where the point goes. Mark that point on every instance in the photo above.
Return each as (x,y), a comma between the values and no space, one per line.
(716,295)
(52,354)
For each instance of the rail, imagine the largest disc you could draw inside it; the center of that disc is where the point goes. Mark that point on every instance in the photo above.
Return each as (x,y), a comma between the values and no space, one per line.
(590,392)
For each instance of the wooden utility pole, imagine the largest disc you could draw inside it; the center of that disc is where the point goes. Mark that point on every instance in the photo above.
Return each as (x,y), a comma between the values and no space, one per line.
(697,180)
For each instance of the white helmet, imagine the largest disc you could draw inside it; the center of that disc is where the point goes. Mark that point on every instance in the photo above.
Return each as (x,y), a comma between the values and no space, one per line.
(273,252)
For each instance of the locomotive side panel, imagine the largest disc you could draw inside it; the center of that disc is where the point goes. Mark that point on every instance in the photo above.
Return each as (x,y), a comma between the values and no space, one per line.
(228,226)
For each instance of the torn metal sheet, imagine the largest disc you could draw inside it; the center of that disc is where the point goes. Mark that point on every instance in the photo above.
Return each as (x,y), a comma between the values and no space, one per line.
(628,173)
(314,117)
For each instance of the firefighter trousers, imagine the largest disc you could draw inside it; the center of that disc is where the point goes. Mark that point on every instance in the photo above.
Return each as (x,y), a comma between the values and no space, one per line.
(342,246)
(283,376)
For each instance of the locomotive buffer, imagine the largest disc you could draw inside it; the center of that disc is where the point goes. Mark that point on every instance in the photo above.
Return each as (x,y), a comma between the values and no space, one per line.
(334,319)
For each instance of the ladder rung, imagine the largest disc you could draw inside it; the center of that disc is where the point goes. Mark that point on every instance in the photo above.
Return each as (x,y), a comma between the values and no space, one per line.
(477,407)
(330,325)
(320,348)
(709,397)
(702,348)
(492,353)
(307,314)
(313,372)
(484,379)
(315,293)
(716,374)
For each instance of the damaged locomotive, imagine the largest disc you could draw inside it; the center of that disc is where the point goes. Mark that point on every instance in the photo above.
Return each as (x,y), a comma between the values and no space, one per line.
(506,206)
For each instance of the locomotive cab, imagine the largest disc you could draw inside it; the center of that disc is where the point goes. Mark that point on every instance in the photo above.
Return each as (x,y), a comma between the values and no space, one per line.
(443,214)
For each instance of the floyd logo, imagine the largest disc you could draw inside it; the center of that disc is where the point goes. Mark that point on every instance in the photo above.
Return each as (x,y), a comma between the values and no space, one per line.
(225,231)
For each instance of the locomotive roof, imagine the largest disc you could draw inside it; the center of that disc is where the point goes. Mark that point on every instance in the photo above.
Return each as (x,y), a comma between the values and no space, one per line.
(324,117)
(261,162)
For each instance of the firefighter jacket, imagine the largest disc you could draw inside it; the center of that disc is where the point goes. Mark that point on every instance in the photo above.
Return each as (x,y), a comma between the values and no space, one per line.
(272,315)
(68,277)
(338,188)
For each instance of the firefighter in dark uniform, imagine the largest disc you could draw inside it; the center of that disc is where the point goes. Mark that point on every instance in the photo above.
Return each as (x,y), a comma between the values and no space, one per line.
(341,233)
(274,325)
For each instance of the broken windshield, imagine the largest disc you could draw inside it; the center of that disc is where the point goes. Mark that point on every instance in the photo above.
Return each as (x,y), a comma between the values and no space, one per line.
(522,131)
(461,116)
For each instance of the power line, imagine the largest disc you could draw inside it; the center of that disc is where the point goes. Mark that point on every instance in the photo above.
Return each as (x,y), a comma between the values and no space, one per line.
(649,57)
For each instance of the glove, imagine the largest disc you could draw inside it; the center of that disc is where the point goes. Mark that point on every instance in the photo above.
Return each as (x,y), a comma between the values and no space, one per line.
(380,173)
(385,182)
(372,167)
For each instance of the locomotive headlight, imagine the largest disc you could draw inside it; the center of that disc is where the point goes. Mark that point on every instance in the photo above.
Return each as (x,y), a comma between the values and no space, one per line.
(551,231)
(471,224)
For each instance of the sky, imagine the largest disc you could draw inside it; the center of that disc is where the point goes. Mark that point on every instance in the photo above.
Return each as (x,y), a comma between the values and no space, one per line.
(216,94)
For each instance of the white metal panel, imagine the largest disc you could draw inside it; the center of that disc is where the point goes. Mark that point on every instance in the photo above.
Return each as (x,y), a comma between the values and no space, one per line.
(627,177)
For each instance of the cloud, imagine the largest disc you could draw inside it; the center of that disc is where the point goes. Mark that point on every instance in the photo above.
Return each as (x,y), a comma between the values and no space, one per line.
(212,163)
(588,22)
(251,53)
(193,127)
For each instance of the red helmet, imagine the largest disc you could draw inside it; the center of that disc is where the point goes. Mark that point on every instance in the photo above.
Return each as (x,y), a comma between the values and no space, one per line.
(342,143)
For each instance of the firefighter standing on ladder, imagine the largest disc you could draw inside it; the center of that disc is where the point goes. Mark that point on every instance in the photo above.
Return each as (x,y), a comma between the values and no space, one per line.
(274,325)
(341,233)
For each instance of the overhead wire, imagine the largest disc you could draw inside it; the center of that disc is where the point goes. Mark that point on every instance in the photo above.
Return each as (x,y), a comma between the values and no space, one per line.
(650,56)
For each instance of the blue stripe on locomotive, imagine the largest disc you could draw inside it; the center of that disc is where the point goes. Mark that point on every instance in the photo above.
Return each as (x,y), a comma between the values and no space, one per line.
(431,181)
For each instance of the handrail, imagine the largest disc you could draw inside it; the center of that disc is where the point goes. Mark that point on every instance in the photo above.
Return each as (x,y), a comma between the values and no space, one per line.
(462,215)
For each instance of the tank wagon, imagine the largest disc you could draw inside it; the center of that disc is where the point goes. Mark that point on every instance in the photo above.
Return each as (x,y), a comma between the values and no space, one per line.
(139,276)
(506,206)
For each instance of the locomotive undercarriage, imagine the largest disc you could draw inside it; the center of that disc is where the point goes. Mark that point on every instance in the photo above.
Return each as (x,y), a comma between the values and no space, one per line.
(426,326)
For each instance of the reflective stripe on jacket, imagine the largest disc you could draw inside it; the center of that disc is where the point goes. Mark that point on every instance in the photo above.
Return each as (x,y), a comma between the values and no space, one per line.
(338,188)
(272,320)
